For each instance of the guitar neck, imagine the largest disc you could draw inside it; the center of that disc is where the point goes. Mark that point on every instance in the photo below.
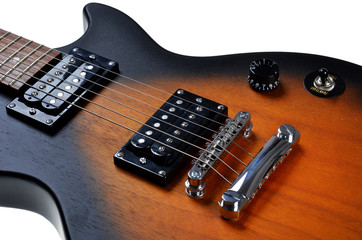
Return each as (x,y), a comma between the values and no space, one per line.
(21,58)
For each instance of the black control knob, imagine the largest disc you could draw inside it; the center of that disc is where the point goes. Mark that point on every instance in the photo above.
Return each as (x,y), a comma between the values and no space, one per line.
(263,75)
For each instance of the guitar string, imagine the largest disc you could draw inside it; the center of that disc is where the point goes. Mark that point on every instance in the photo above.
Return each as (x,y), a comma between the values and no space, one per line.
(110,80)
(122,76)
(117,102)
(108,109)
(251,155)
(127,128)
(155,88)
(56,77)
(169,94)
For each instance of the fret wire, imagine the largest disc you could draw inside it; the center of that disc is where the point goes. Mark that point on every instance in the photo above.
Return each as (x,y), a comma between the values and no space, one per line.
(21,61)
(4,35)
(33,63)
(10,57)
(9,44)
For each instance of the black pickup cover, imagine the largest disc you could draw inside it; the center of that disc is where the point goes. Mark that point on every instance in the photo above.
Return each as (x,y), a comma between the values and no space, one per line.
(49,102)
(156,150)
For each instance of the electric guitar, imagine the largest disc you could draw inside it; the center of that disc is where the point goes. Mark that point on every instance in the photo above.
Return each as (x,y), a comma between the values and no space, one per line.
(114,137)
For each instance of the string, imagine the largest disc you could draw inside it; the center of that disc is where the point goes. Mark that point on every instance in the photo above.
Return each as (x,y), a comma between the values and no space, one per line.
(127,128)
(140,100)
(123,76)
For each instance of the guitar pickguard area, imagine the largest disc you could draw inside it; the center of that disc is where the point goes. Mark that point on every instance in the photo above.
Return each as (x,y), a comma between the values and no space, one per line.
(52,98)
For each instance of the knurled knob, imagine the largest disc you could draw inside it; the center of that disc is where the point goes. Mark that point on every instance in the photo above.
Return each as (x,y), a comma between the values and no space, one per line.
(263,75)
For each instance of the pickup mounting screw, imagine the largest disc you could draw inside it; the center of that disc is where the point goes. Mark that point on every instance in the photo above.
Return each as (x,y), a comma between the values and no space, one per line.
(199,100)
(112,63)
(12,105)
(180,92)
(32,111)
(221,107)
(92,56)
(75,49)
(143,160)
(162,172)
(119,154)
(49,121)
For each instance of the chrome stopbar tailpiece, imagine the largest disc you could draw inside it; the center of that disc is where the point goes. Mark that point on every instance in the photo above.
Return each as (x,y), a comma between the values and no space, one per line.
(209,159)
(251,179)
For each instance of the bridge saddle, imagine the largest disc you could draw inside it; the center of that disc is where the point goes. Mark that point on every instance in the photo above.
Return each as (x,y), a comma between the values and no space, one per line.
(222,145)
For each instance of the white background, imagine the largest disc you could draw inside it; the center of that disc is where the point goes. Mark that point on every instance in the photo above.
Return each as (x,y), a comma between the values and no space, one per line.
(188,27)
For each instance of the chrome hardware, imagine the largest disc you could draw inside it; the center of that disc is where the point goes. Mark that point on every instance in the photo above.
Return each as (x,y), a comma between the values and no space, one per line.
(243,190)
(231,132)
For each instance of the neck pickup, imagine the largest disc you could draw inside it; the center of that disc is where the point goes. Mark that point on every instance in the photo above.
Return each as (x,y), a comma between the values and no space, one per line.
(53,96)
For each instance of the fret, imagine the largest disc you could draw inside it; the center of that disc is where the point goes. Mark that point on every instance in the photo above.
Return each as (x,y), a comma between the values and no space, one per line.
(13,54)
(32,64)
(21,59)
(4,35)
(9,44)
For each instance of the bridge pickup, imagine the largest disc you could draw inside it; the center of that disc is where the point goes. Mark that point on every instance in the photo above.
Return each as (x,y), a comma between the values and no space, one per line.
(49,100)
(233,131)
(251,179)
(175,132)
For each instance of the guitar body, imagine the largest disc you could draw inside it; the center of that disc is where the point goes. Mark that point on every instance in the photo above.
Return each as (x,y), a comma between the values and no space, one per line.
(70,178)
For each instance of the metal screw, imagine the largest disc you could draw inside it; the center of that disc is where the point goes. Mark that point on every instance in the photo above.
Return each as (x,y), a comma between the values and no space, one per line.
(192,116)
(92,56)
(72,60)
(179,102)
(57,73)
(169,140)
(42,86)
(65,66)
(12,105)
(119,154)
(32,111)
(162,172)
(143,160)
(49,121)
(34,94)
(221,107)
(161,148)
(75,49)
(199,100)
(50,79)
(195,174)
(184,124)
(244,115)
(112,63)
(199,108)
(172,109)
(180,92)
(177,132)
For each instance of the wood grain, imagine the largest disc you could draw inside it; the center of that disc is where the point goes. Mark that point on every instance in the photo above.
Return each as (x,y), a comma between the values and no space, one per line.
(314,194)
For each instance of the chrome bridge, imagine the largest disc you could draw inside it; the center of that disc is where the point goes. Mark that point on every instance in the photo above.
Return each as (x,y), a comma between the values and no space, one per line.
(252,178)
(243,190)
(229,135)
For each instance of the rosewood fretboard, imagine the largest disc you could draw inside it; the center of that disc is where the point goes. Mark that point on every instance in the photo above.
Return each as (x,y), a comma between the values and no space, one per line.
(20,59)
